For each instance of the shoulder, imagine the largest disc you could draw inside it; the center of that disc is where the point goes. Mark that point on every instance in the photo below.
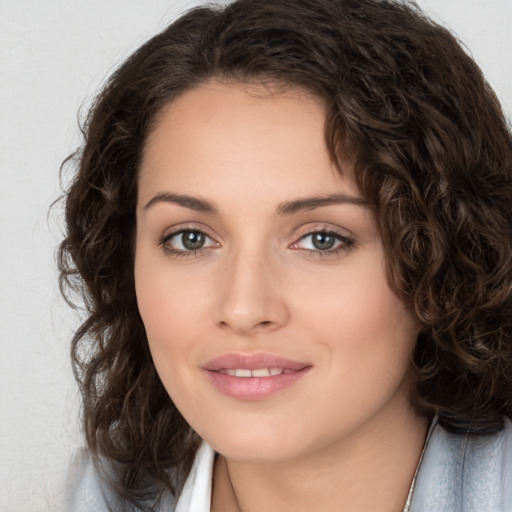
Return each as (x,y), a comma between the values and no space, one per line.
(464,473)
(85,490)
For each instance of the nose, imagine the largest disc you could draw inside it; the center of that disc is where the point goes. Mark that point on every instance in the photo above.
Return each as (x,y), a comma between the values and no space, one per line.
(251,298)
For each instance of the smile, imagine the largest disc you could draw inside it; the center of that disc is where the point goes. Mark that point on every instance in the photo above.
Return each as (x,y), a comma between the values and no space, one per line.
(252,377)
(259,372)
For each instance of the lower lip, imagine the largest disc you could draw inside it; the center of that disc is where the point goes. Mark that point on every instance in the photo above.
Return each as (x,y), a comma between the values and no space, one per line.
(254,388)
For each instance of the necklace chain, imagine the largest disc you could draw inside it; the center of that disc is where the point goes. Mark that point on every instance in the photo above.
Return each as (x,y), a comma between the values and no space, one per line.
(409,496)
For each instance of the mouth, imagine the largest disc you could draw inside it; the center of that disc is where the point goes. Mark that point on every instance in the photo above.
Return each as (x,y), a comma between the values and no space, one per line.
(259,372)
(255,376)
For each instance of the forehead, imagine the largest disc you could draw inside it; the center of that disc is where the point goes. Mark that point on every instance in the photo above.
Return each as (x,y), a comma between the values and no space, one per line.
(255,138)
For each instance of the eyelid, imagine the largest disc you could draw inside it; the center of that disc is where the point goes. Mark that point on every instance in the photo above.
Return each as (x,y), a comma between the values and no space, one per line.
(170,231)
(322,227)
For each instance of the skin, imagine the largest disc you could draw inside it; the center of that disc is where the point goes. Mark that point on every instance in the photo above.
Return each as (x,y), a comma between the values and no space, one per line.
(342,435)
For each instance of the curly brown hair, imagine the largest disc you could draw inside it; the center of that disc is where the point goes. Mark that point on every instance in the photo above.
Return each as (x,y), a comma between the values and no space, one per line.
(433,157)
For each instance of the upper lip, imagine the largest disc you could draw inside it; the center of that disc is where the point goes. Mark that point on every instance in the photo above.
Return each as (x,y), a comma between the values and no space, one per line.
(253,362)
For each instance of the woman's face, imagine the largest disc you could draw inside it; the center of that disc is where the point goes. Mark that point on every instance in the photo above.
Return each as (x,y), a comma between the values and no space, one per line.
(260,278)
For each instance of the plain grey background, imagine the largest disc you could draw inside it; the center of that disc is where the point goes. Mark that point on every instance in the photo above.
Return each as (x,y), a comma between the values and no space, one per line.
(53,56)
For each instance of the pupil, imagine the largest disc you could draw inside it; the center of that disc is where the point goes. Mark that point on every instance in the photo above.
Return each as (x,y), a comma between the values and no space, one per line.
(192,240)
(323,241)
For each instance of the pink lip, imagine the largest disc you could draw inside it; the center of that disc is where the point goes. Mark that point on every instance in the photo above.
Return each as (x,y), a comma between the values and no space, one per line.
(252,362)
(253,388)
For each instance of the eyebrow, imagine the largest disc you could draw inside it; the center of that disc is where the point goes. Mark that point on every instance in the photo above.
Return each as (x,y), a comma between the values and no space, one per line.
(310,203)
(193,203)
(286,208)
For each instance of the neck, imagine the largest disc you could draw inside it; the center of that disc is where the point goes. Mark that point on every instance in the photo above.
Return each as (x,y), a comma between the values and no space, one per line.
(371,469)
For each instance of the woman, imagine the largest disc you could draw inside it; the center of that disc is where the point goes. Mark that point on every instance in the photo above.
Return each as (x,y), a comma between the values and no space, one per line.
(291,226)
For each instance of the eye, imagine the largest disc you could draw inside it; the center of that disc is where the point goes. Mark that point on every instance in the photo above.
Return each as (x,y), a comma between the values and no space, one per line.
(324,242)
(187,240)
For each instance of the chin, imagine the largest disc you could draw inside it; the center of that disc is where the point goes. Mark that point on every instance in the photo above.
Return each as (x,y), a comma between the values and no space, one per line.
(250,443)
(257,451)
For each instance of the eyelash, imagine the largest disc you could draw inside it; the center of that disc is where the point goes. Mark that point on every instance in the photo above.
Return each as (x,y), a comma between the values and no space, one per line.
(179,253)
(346,243)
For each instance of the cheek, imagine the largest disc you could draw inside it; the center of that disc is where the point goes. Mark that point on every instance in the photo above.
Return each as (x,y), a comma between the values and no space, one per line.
(155,299)
(165,326)
(173,310)
(354,299)
(172,305)
(361,324)
(168,297)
